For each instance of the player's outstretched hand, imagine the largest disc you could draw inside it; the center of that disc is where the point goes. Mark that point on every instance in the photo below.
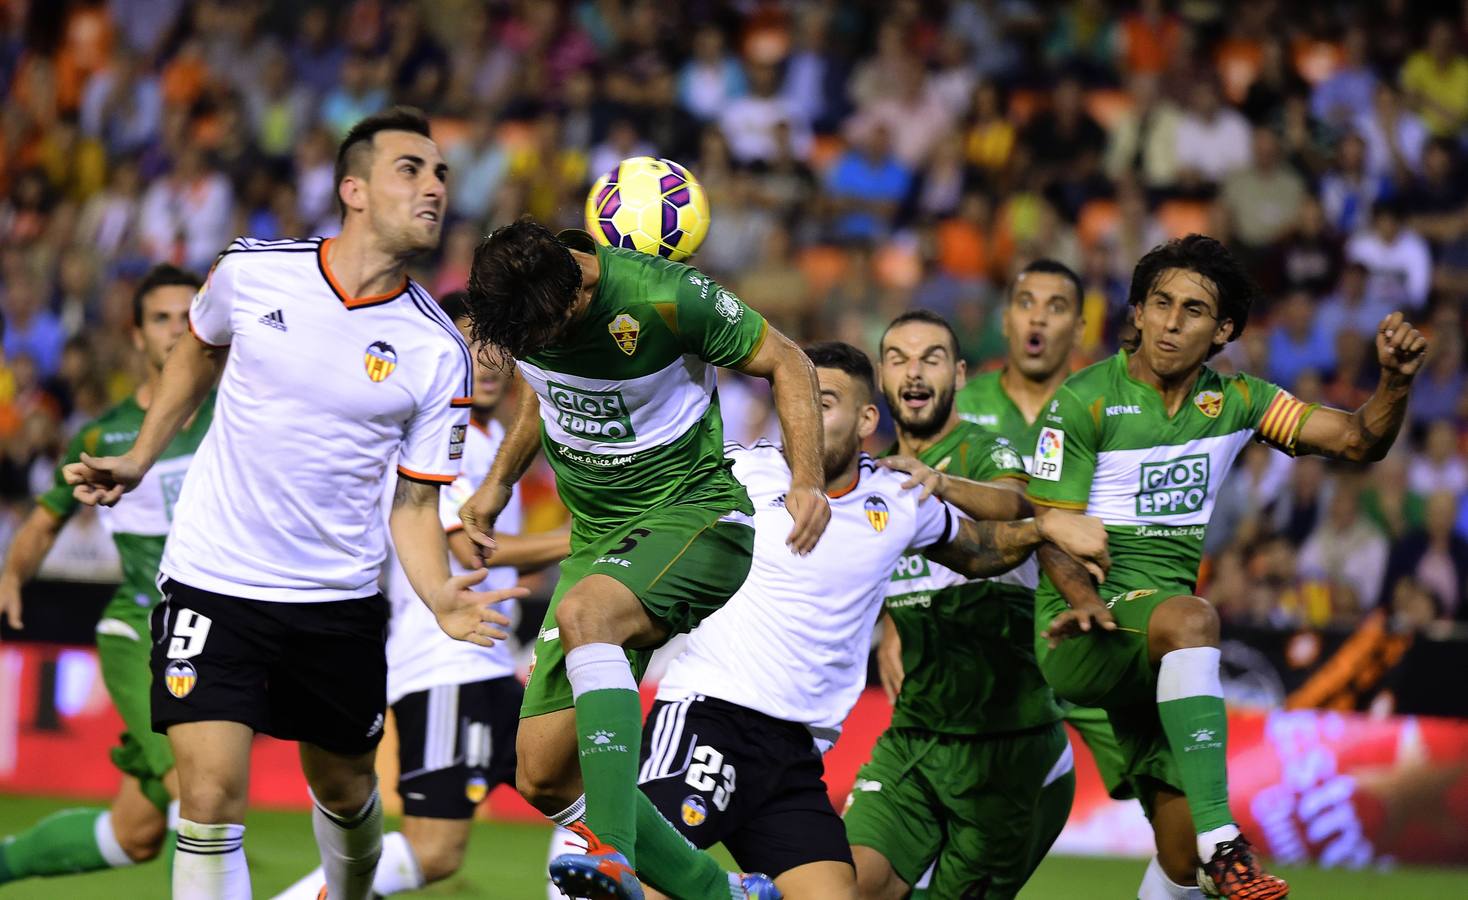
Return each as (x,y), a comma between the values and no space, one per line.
(465,614)
(889,661)
(1080,536)
(1400,348)
(919,474)
(102,480)
(480,511)
(810,510)
(1091,616)
(10,602)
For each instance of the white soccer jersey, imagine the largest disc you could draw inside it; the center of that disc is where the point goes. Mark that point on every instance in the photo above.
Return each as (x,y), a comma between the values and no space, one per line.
(419,654)
(320,390)
(793,642)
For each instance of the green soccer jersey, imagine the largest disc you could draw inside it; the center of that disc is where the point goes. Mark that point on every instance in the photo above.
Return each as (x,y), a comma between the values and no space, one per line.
(967,646)
(139,522)
(984,402)
(628,401)
(1108,447)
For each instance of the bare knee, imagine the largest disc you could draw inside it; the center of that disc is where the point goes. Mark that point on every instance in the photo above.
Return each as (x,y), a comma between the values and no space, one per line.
(582,621)
(546,790)
(439,859)
(1180,623)
(212,802)
(141,841)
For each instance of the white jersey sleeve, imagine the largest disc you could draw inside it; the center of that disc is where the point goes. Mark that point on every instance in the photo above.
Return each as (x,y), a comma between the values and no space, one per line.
(433,442)
(212,310)
(936,523)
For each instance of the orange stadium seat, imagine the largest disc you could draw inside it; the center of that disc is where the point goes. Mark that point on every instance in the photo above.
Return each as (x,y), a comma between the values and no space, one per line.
(824,150)
(1316,60)
(1098,221)
(1023,104)
(1108,106)
(822,265)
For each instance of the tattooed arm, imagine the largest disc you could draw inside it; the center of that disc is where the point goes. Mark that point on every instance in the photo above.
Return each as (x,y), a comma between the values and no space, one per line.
(984,549)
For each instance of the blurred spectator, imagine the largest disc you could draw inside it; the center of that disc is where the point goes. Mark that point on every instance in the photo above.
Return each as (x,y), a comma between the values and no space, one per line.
(1144,141)
(1397,260)
(185,215)
(622,141)
(1352,308)
(1438,467)
(123,106)
(1346,550)
(357,95)
(143,24)
(1295,344)
(420,66)
(1439,390)
(1083,38)
(1212,139)
(477,168)
(939,186)
(1435,81)
(1263,199)
(1348,191)
(1310,257)
(865,186)
(1065,143)
(1434,559)
(912,112)
(316,55)
(749,122)
(31,330)
(815,78)
(280,107)
(989,135)
(1353,381)
(1393,134)
(316,199)
(1264,102)
(1349,89)
(109,219)
(1438,198)
(712,78)
(1148,39)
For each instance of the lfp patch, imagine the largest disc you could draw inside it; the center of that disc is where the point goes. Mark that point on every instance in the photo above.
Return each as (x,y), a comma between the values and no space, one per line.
(179,677)
(877,512)
(695,811)
(380,360)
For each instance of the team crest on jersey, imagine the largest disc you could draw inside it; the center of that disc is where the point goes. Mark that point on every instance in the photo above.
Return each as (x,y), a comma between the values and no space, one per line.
(1005,457)
(877,512)
(476,789)
(380,360)
(624,331)
(1209,403)
(694,810)
(180,677)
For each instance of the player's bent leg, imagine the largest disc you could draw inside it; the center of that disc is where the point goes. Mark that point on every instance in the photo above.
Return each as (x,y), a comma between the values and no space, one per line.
(547,773)
(827,880)
(86,840)
(438,845)
(213,764)
(876,879)
(1172,829)
(138,825)
(346,816)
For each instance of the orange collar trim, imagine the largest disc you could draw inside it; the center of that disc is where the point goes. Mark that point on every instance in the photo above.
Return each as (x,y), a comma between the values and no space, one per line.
(347,300)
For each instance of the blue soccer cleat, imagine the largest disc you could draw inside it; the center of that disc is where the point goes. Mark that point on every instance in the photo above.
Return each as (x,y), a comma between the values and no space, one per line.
(757,886)
(601,873)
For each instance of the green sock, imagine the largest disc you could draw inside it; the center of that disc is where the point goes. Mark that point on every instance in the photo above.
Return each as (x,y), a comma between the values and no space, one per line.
(170,848)
(609,735)
(63,843)
(1190,705)
(670,863)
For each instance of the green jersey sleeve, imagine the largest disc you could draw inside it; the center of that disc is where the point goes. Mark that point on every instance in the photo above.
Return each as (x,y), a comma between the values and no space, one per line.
(1274,413)
(1065,453)
(987,458)
(58,498)
(716,325)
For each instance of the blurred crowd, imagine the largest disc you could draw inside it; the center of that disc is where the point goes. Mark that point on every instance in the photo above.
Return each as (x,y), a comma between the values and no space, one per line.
(861,158)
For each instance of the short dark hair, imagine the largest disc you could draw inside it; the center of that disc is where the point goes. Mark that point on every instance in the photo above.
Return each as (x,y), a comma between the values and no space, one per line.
(522,285)
(455,304)
(1209,258)
(926,316)
(356,148)
(843,357)
(1045,266)
(161,275)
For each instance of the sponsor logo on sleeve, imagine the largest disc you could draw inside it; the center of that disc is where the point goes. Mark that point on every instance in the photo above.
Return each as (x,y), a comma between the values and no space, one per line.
(456,441)
(728,306)
(1049,454)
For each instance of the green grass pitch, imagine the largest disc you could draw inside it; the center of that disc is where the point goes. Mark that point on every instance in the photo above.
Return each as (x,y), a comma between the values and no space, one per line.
(507,862)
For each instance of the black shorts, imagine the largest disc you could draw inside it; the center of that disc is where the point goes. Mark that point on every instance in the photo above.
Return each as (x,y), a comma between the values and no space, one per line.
(721,772)
(456,743)
(312,672)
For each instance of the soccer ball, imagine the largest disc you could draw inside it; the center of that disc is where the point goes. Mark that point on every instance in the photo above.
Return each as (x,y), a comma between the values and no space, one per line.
(648,204)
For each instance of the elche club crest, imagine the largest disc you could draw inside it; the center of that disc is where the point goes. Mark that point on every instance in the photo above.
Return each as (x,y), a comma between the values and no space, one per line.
(1209,403)
(380,359)
(877,514)
(179,677)
(624,330)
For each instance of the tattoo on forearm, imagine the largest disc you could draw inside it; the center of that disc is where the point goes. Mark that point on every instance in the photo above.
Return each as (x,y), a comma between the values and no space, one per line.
(984,549)
(1068,575)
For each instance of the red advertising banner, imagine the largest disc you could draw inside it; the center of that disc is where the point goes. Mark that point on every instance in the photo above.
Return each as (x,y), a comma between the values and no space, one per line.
(1340,789)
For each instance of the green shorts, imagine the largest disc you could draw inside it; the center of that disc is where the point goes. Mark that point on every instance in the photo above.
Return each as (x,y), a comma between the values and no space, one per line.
(1113,671)
(1094,727)
(143,754)
(975,805)
(682,562)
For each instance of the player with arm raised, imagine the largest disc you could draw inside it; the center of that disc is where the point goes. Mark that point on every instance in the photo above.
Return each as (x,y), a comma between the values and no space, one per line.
(732,750)
(456,704)
(1144,440)
(974,776)
(271,619)
(620,350)
(135,826)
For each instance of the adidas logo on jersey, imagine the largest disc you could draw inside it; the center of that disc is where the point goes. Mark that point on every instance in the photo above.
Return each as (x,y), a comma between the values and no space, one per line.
(778,502)
(275,320)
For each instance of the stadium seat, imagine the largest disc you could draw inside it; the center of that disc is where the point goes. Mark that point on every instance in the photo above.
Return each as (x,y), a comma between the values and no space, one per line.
(1098,221)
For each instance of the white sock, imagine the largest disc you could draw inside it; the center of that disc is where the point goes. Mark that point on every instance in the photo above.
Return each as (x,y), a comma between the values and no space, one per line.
(1208,841)
(107,844)
(565,841)
(398,869)
(350,848)
(1190,672)
(598,667)
(210,863)
(1157,886)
